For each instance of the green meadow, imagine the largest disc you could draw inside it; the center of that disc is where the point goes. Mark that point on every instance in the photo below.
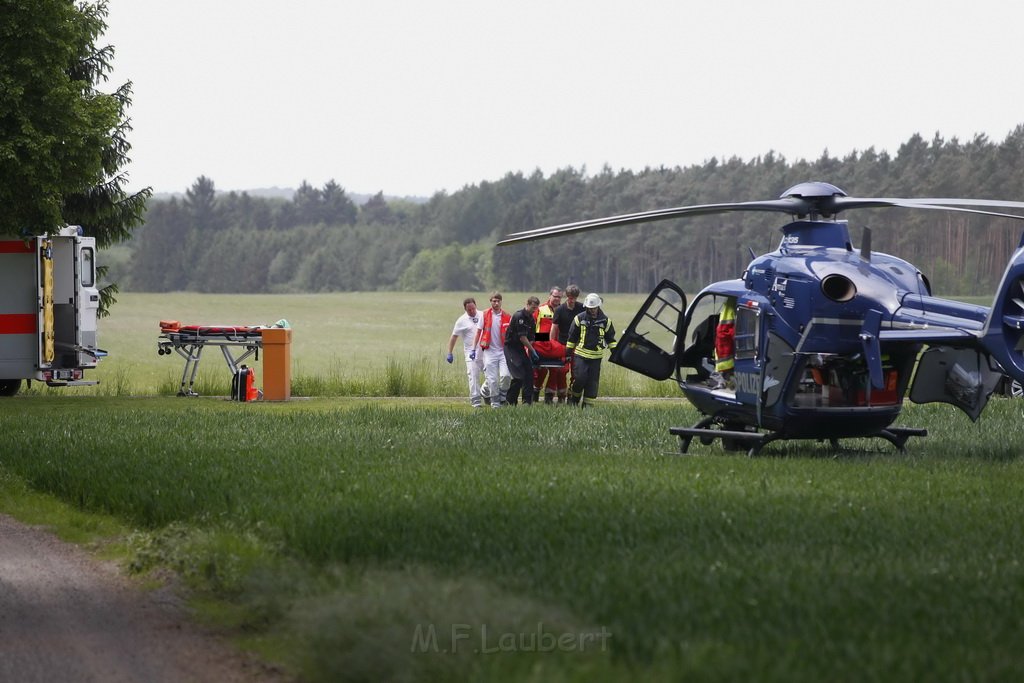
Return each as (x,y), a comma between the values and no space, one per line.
(355,539)
(393,533)
(343,344)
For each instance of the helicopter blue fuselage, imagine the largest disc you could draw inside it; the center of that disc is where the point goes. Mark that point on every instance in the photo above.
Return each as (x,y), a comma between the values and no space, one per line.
(818,339)
(816,298)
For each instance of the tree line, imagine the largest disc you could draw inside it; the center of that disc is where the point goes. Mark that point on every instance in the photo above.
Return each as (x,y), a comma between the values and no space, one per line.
(321,240)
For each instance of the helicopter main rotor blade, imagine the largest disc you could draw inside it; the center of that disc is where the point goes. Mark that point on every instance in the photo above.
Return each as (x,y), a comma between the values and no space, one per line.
(955,205)
(791,205)
(947,201)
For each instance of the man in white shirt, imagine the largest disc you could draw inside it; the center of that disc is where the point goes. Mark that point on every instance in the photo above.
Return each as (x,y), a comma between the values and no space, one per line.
(467,328)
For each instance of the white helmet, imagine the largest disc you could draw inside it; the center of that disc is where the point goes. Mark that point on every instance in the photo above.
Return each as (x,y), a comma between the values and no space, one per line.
(592,301)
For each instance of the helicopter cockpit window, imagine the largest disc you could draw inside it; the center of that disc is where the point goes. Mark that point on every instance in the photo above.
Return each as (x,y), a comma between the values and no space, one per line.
(747,329)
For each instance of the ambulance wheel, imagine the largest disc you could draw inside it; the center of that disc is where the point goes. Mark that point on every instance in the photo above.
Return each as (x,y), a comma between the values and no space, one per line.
(9,387)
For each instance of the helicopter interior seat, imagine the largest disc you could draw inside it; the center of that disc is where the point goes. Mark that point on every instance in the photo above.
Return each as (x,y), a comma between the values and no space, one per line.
(701,351)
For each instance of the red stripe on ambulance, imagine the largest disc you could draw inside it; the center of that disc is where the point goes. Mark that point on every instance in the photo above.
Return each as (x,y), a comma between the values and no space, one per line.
(16,247)
(17,323)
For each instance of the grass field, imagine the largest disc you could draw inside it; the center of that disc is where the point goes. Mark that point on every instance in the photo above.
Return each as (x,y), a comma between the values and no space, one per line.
(393,539)
(362,344)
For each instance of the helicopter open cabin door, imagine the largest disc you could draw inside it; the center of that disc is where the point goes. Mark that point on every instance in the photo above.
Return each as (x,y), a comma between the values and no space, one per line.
(961,377)
(648,344)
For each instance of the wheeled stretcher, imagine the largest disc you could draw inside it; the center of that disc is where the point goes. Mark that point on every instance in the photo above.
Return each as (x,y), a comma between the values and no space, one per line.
(236,342)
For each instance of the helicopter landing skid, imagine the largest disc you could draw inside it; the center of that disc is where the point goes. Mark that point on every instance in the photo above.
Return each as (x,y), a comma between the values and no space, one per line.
(754,441)
(898,436)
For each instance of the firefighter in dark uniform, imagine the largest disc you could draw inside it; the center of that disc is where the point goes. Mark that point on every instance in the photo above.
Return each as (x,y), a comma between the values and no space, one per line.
(590,334)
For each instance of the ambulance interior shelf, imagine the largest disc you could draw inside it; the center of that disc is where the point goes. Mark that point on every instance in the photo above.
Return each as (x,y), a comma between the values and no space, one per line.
(236,342)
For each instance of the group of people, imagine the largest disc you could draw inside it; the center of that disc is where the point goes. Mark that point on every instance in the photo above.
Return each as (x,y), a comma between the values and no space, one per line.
(552,349)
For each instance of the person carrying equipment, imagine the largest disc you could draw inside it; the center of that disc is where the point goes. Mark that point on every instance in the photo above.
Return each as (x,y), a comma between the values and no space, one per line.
(549,349)
(520,354)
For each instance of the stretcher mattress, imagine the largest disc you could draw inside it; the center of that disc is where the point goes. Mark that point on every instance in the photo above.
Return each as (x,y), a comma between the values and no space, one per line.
(173,327)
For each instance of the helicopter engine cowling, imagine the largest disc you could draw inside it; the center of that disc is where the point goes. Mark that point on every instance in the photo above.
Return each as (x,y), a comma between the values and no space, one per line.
(838,288)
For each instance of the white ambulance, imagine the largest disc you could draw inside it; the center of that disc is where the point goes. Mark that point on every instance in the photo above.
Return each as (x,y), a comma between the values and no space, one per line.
(48,309)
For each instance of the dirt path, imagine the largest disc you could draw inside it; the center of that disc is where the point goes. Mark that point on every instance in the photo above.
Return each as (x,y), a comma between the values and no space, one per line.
(64,616)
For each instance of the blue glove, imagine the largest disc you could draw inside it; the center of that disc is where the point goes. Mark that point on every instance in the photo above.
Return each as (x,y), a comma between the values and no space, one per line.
(472,355)
(449,358)
(534,357)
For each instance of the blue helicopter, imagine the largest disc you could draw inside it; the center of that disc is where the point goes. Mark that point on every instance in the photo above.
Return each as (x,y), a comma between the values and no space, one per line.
(827,338)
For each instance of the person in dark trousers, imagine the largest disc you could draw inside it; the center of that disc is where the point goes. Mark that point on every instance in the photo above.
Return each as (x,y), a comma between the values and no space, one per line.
(564,314)
(549,380)
(590,334)
(561,323)
(520,355)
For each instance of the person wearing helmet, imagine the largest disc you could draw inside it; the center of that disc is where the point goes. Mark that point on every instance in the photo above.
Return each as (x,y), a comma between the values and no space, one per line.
(560,325)
(590,333)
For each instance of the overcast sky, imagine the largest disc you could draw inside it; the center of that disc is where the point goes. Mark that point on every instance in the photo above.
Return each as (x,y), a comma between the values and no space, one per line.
(412,97)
